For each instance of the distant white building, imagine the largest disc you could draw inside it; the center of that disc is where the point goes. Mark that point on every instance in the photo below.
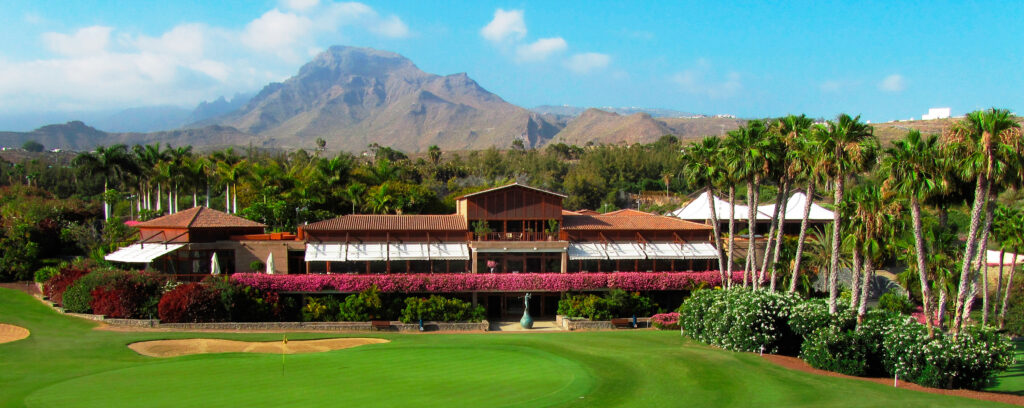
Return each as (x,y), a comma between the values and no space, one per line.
(936,113)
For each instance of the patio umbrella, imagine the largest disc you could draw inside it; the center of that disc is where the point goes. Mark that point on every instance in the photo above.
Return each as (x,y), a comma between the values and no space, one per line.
(270,264)
(214,265)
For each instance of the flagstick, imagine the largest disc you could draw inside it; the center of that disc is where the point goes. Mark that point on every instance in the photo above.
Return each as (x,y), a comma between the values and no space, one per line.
(284,343)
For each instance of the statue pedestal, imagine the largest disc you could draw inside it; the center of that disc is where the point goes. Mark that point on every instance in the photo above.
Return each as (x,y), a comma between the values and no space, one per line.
(526,321)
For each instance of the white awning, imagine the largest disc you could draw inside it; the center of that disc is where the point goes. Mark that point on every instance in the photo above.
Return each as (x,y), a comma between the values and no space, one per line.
(141,253)
(701,250)
(587,251)
(448,251)
(373,251)
(325,252)
(409,251)
(664,250)
(625,250)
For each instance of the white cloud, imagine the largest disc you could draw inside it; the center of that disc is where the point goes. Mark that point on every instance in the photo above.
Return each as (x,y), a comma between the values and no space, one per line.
(336,15)
(506,26)
(277,32)
(300,5)
(587,62)
(86,41)
(893,83)
(541,49)
(831,86)
(701,80)
(391,26)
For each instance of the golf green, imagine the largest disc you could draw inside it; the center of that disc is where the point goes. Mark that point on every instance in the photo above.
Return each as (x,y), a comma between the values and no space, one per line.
(66,362)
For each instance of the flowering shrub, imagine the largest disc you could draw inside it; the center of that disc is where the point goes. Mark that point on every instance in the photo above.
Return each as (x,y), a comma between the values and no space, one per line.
(55,287)
(741,320)
(469,282)
(810,315)
(78,297)
(245,303)
(130,295)
(970,360)
(438,308)
(191,303)
(363,306)
(666,321)
(843,347)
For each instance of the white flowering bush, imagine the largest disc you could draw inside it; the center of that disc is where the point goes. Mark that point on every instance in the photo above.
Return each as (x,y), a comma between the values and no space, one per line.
(810,315)
(841,346)
(970,360)
(741,320)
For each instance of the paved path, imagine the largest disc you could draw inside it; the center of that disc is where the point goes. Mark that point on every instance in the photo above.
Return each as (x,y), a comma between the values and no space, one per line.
(514,326)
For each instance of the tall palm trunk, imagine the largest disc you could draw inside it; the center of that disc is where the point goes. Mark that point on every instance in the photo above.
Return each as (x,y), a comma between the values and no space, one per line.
(778,221)
(732,233)
(195,197)
(207,193)
(943,299)
(234,199)
(748,269)
(982,259)
(1006,295)
(922,269)
(106,206)
(858,263)
(801,237)
(980,189)
(833,276)
(865,288)
(227,198)
(159,198)
(999,283)
(715,229)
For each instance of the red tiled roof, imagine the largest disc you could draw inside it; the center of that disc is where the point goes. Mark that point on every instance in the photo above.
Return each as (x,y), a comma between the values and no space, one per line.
(628,212)
(628,223)
(587,212)
(367,222)
(200,217)
(510,186)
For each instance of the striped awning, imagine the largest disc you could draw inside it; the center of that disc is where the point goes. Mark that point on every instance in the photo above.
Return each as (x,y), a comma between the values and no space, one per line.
(367,251)
(411,251)
(448,251)
(325,252)
(380,251)
(585,251)
(674,250)
(141,253)
(625,250)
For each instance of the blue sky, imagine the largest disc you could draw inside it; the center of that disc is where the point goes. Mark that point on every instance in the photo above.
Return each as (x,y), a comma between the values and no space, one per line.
(884,60)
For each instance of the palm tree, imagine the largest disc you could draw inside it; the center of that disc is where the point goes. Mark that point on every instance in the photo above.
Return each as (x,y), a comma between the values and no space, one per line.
(731,175)
(785,133)
(757,152)
(874,211)
(979,139)
(910,171)
(805,156)
(1015,241)
(147,158)
(112,163)
(848,147)
(354,194)
(703,168)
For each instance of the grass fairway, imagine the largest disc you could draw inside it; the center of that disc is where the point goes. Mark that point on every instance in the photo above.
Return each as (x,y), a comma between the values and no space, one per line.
(67,363)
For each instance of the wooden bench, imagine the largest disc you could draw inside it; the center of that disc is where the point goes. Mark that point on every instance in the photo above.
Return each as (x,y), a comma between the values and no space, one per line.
(622,323)
(380,324)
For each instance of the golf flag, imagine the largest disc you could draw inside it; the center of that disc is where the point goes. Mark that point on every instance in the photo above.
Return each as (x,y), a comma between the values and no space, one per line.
(285,340)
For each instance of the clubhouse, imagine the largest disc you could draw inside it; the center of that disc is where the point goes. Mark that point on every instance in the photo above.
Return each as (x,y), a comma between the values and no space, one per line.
(509,229)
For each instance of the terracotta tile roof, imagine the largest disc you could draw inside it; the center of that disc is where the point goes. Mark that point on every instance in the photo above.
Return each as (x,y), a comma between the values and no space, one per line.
(200,217)
(587,212)
(510,186)
(628,223)
(626,212)
(367,222)
(567,212)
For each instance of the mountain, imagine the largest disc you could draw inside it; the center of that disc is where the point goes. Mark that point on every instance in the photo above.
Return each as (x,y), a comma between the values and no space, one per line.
(598,126)
(143,119)
(574,111)
(76,135)
(218,107)
(352,97)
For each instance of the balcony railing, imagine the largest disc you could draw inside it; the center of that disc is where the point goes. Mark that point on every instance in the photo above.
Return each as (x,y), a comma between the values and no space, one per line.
(512,236)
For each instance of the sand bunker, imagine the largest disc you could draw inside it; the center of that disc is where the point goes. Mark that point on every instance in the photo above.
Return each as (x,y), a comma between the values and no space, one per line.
(9,333)
(175,348)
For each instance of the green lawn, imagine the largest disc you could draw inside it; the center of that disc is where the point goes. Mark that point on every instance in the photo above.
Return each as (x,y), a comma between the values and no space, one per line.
(67,363)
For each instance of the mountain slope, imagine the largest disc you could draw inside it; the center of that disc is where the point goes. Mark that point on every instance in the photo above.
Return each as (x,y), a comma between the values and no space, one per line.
(352,97)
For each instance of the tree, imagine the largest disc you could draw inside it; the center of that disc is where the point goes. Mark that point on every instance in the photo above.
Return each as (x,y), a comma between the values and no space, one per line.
(33,146)
(752,153)
(354,194)
(872,212)
(1015,240)
(703,168)
(111,163)
(910,171)
(848,147)
(981,139)
(786,133)
(805,156)
(731,174)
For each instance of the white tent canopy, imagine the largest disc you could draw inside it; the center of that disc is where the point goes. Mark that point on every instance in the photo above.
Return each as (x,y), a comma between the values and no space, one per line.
(1009,259)
(141,253)
(699,210)
(795,209)
(632,250)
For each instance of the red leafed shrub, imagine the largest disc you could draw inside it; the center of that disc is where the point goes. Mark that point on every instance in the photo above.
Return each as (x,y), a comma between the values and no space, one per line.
(131,295)
(54,287)
(191,303)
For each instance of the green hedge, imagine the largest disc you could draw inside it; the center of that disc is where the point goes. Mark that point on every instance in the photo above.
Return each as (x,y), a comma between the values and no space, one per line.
(615,303)
(439,308)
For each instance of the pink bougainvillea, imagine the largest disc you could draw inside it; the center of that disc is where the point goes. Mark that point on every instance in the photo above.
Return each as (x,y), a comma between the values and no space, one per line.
(468,282)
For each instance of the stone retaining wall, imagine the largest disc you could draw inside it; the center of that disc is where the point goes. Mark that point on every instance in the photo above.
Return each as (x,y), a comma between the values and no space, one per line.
(567,323)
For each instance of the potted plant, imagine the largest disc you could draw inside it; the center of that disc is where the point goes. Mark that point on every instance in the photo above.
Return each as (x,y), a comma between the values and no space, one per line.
(481,229)
(491,264)
(552,229)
